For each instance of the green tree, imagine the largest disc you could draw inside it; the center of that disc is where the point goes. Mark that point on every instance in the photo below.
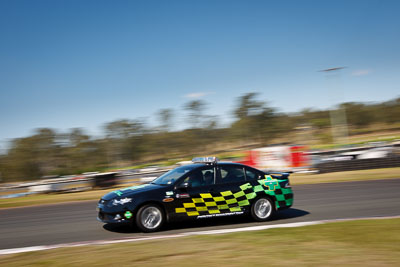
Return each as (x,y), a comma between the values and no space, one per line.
(248,106)
(195,109)
(255,119)
(357,114)
(165,118)
(122,140)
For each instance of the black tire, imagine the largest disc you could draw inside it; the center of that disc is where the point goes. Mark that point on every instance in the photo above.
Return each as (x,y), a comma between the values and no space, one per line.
(150,218)
(262,209)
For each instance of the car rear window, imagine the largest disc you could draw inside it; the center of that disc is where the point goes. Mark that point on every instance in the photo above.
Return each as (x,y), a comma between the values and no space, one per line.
(251,175)
(231,174)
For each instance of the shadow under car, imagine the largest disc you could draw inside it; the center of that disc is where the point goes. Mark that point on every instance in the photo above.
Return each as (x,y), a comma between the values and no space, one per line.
(235,221)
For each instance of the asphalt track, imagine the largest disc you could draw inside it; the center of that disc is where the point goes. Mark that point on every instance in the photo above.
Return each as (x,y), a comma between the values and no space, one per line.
(76,222)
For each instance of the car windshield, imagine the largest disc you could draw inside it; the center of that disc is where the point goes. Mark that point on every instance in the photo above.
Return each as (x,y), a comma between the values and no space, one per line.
(173,175)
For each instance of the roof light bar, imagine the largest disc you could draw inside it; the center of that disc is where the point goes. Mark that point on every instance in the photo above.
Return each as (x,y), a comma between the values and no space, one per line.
(205,160)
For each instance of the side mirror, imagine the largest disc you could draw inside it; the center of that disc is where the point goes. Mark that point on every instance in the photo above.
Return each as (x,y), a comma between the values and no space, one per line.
(184,186)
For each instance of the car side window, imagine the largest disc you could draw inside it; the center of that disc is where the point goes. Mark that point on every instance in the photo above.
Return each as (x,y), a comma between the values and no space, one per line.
(208,175)
(252,175)
(231,174)
(200,177)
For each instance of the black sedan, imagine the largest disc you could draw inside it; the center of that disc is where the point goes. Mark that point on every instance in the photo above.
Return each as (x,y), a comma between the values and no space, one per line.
(207,188)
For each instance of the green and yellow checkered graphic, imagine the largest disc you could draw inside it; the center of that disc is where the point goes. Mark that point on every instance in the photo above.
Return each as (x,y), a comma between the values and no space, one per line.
(228,201)
(283,196)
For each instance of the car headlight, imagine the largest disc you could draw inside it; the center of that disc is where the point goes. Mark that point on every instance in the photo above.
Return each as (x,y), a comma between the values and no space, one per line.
(121,201)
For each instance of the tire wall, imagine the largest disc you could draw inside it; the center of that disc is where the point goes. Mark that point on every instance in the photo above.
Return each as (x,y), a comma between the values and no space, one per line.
(358,164)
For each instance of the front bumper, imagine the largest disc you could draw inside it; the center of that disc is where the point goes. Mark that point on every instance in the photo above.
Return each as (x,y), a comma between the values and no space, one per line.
(112,217)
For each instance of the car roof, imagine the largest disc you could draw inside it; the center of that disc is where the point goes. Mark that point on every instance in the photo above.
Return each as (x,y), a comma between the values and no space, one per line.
(197,165)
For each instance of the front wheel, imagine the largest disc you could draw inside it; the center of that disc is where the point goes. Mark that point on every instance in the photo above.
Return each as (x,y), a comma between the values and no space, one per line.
(150,218)
(262,209)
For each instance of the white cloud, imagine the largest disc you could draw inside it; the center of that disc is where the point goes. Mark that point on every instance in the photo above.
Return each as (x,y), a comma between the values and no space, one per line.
(361,72)
(197,94)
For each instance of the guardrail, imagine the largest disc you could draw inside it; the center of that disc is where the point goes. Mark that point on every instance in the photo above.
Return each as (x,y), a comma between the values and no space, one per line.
(358,164)
(77,183)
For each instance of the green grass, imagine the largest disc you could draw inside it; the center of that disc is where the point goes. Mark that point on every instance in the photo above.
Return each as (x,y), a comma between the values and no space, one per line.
(295,179)
(354,243)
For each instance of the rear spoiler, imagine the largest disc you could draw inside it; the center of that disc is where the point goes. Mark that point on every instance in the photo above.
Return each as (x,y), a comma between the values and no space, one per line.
(279,175)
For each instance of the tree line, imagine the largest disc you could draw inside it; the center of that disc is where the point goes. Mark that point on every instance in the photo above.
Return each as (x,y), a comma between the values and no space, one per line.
(130,141)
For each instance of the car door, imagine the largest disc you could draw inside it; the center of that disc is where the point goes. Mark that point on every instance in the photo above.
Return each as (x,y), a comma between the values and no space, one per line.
(233,190)
(193,196)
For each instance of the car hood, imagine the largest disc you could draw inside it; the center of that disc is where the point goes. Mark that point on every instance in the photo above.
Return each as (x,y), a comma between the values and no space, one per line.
(131,190)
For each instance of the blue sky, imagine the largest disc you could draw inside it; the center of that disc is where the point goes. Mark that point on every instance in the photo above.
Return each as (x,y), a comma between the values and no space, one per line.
(67,64)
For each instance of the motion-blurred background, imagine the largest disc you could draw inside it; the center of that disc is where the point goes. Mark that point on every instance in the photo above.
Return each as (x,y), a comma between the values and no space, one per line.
(97,86)
(97,95)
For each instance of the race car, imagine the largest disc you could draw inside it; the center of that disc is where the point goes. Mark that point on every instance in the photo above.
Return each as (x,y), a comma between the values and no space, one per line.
(204,189)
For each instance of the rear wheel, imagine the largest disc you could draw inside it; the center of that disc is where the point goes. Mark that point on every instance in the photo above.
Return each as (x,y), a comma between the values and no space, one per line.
(262,209)
(150,218)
